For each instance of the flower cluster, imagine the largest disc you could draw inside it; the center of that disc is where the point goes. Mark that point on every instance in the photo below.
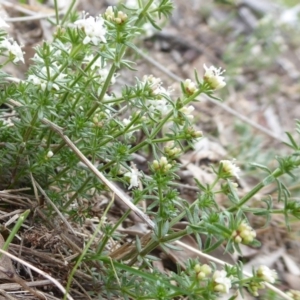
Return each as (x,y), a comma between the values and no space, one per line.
(162,165)
(294,294)
(213,77)
(191,133)
(202,271)
(244,234)
(155,89)
(266,275)
(187,111)
(13,49)
(155,85)
(119,18)
(221,281)
(190,87)
(93,28)
(172,151)
(229,169)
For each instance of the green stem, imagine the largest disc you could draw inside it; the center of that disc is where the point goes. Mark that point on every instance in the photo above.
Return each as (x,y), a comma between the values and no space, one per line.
(118,223)
(56,12)
(277,173)
(77,192)
(68,12)
(168,139)
(160,211)
(103,91)
(88,245)
(174,236)
(23,145)
(153,244)
(143,13)
(14,231)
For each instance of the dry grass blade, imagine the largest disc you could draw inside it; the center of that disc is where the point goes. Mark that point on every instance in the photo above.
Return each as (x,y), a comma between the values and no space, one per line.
(54,281)
(5,296)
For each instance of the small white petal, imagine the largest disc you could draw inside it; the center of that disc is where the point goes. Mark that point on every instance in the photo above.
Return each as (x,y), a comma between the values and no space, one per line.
(213,77)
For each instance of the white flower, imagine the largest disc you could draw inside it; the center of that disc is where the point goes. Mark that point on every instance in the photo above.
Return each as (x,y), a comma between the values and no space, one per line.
(161,106)
(126,121)
(160,103)
(244,233)
(50,154)
(155,85)
(38,81)
(213,77)
(3,23)
(162,164)
(190,86)
(222,282)
(156,89)
(134,175)
(187,111)
(94,29)
(109,13)
(266,274)
(229,168)
(13,48)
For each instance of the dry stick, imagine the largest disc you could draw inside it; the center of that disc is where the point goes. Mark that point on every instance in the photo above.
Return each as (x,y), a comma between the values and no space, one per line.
(6,295)
(16,286)
(223,106)
(54,281)
(16,7)
(12,276)
(30,18)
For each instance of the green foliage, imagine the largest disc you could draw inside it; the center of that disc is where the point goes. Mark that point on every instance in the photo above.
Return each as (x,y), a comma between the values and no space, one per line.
(69,94)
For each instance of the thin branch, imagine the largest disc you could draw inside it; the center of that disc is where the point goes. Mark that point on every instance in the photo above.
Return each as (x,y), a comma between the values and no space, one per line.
(29,18)
(54,281)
